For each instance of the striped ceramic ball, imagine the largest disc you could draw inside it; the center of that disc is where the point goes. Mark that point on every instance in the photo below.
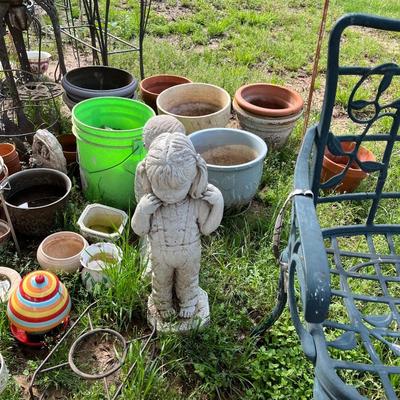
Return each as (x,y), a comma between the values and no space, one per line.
(39,304)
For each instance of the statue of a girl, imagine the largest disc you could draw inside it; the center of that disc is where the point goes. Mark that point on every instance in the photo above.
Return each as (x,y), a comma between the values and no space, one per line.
(179,206)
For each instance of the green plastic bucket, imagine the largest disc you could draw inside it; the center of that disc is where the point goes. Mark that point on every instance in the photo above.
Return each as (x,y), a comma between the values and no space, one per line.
(110,146)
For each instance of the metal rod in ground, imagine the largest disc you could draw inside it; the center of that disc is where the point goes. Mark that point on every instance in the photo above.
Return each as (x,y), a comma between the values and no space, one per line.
(3,202)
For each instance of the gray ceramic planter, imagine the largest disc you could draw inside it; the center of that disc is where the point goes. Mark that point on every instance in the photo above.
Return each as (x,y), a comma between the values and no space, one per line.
(238,183)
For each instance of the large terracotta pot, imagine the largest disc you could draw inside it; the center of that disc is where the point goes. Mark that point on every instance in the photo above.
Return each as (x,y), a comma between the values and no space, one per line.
(334,165)
(10,157)
(151,87)
(269,100)
(197,105)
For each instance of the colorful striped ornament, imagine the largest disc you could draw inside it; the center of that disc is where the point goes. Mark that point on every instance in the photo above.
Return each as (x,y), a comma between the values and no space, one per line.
(39,304)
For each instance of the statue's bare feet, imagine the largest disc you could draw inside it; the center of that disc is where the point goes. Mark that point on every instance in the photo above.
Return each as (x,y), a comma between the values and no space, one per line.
(187,312)
(167,313)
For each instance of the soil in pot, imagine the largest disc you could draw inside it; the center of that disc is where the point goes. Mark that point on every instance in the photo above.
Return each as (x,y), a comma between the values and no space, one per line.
(234,154)
(194,109)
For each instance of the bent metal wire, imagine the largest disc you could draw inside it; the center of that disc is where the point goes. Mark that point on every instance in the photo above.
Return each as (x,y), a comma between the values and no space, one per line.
(74,348)
(99,32)
(348,293)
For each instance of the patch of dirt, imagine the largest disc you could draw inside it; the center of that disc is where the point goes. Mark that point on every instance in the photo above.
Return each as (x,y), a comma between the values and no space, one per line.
(50,394)
(98,354)
(171,12)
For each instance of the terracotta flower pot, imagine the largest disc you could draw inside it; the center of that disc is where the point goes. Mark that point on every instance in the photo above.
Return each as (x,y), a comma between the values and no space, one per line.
(269,100)
(68,144)
(334,165)
(10,157)
(61,252)
(152,86)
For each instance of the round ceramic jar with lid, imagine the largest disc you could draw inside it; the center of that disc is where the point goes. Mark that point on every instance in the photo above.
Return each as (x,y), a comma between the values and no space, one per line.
(39,304)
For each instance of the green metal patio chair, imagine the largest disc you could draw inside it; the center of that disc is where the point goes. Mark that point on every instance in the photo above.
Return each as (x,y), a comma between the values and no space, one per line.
(343,282)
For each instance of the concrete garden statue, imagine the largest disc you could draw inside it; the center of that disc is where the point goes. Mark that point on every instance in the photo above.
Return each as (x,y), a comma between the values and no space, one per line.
(178,205)
(154,127)
(47,151)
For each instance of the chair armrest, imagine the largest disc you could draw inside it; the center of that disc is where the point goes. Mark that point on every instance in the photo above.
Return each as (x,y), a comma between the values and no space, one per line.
(307,247)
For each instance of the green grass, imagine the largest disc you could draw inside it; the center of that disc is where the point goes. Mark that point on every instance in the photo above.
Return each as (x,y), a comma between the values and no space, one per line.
(228,43)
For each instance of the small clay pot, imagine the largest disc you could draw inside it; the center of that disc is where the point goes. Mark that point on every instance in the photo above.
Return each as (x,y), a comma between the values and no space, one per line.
(10,157)
(152,86)
(68,144)
(5,232)
(61,252)
(334,165)
(269,100)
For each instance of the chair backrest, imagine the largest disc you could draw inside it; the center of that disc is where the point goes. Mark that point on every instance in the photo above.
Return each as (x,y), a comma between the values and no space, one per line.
(366,110)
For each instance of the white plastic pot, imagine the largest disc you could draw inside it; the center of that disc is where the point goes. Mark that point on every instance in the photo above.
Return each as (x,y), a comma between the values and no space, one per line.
(96,218)
(92,268)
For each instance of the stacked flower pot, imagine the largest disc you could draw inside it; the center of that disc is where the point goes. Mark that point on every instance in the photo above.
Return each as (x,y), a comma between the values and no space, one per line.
(269,111)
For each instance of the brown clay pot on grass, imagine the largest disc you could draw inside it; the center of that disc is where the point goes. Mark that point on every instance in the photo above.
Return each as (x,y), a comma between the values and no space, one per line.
(68,144)
(267,100)
(10,157)
(152,86)
(334,165)
(269,111)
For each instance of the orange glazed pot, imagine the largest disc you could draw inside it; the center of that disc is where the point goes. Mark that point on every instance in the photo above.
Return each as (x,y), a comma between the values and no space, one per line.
(152,86)
(10,157)
(334,165)
(267,100)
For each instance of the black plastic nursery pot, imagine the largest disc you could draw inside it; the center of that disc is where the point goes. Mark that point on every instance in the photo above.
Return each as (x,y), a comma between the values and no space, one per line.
(98,81)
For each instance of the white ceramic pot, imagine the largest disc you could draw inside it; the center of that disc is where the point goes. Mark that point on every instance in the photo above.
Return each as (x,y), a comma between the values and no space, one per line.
(197,105)
(100,223)
(95,259)
(275,131)
(3,374)
(36,66)
(61,252)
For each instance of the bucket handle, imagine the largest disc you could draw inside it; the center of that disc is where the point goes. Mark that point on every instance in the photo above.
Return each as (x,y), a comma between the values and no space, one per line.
(136,147)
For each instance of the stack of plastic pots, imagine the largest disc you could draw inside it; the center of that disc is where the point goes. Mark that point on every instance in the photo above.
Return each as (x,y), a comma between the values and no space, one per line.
(110,146)
(97,81)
